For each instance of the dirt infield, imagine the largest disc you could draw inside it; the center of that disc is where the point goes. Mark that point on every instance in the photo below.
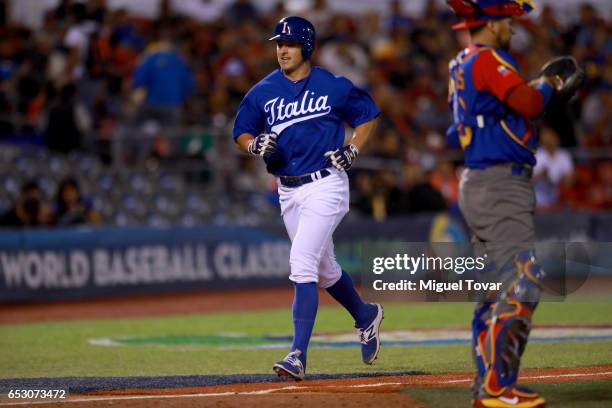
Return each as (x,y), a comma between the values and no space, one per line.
(385,384)
(305,400)
(332,393)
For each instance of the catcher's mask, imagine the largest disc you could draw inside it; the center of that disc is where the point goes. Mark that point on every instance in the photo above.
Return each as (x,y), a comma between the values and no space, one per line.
(475,13)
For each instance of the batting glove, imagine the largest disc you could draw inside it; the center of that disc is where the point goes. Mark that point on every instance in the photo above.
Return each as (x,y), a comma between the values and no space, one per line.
(342,159)
(263,145)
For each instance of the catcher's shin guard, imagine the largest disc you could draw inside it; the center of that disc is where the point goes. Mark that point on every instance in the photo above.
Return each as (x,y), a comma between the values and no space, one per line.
(482,313)
(510,326)
(481,320)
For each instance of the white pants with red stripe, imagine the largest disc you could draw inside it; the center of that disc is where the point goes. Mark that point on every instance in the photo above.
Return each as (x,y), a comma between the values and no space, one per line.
(311,214)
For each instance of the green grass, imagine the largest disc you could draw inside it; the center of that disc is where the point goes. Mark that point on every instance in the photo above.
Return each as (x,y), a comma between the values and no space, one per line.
(577,394)
(61,348)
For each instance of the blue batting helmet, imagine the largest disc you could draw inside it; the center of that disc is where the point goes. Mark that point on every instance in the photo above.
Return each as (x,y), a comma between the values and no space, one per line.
(477,12)
(298,30)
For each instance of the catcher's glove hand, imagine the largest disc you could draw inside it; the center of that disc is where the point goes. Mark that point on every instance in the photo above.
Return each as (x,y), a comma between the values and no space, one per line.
(263,145)
(567,71)
(342,159)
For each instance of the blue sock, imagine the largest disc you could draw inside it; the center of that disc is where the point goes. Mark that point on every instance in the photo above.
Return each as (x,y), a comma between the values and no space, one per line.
(344,292)
(305,303)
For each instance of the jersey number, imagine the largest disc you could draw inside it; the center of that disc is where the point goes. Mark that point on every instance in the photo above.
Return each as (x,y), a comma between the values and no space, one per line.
(286,28)
(465,136)
(460,82)
(456,82)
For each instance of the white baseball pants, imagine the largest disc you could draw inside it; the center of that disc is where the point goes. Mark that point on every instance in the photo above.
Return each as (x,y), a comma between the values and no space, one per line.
(311,214)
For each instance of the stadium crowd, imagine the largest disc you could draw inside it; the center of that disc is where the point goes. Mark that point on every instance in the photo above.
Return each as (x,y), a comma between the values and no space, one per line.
(90,72)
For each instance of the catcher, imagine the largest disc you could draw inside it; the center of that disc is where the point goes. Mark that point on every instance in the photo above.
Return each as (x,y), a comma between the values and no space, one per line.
(493,111)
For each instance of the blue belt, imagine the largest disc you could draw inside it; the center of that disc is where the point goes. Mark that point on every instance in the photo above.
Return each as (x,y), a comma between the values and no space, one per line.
(521,170)
(296,181)
(516,169)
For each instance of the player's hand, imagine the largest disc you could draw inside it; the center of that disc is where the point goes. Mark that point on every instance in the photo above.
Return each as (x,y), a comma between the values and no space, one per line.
(263,145)
(555,81)
(342,159)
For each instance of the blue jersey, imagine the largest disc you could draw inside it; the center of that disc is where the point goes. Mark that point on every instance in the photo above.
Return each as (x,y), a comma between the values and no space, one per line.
(489,132)
(168,79)
(308,116)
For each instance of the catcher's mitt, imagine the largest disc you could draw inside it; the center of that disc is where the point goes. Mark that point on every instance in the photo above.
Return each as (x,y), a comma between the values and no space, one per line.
(566,69)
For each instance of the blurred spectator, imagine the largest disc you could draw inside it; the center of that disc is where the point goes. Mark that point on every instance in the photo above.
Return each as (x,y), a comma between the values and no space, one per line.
(6,108)
(385,194)
(76,40)
(386,144)
(444,179)
(238,56)
(554,35)
(320,17)
(370,32)
(584,29)
(604,173)
(424,102)
(241,11)
(126,31)
(590,190)
(97,10)
(554,168)
(402,59)
(67,122)
(29,78)
(60,14)
(398,20)
(372,195)
(30,209)
(596,113)
(70,206)
(3,12)
(164,80)
(345,58)
(419,196)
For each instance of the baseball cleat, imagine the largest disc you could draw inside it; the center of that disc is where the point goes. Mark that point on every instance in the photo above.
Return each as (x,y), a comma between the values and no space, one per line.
(291,366)
(519,397)
(525,392)
(369,336)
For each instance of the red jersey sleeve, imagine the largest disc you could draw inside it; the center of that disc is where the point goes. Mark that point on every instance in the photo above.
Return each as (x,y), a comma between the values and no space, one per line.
(526,101)
(492,74)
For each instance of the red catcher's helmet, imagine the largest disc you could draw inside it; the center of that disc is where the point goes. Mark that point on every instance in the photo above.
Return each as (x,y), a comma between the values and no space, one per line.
(477,12)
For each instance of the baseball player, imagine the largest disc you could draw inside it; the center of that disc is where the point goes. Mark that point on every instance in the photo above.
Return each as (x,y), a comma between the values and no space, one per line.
(493,108)
(294,119)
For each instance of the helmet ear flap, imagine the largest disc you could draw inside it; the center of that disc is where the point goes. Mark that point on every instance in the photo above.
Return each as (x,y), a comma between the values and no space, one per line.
(307,50)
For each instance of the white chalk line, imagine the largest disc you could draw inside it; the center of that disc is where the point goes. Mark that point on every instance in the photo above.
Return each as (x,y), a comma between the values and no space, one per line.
(273,390)
(538,377)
